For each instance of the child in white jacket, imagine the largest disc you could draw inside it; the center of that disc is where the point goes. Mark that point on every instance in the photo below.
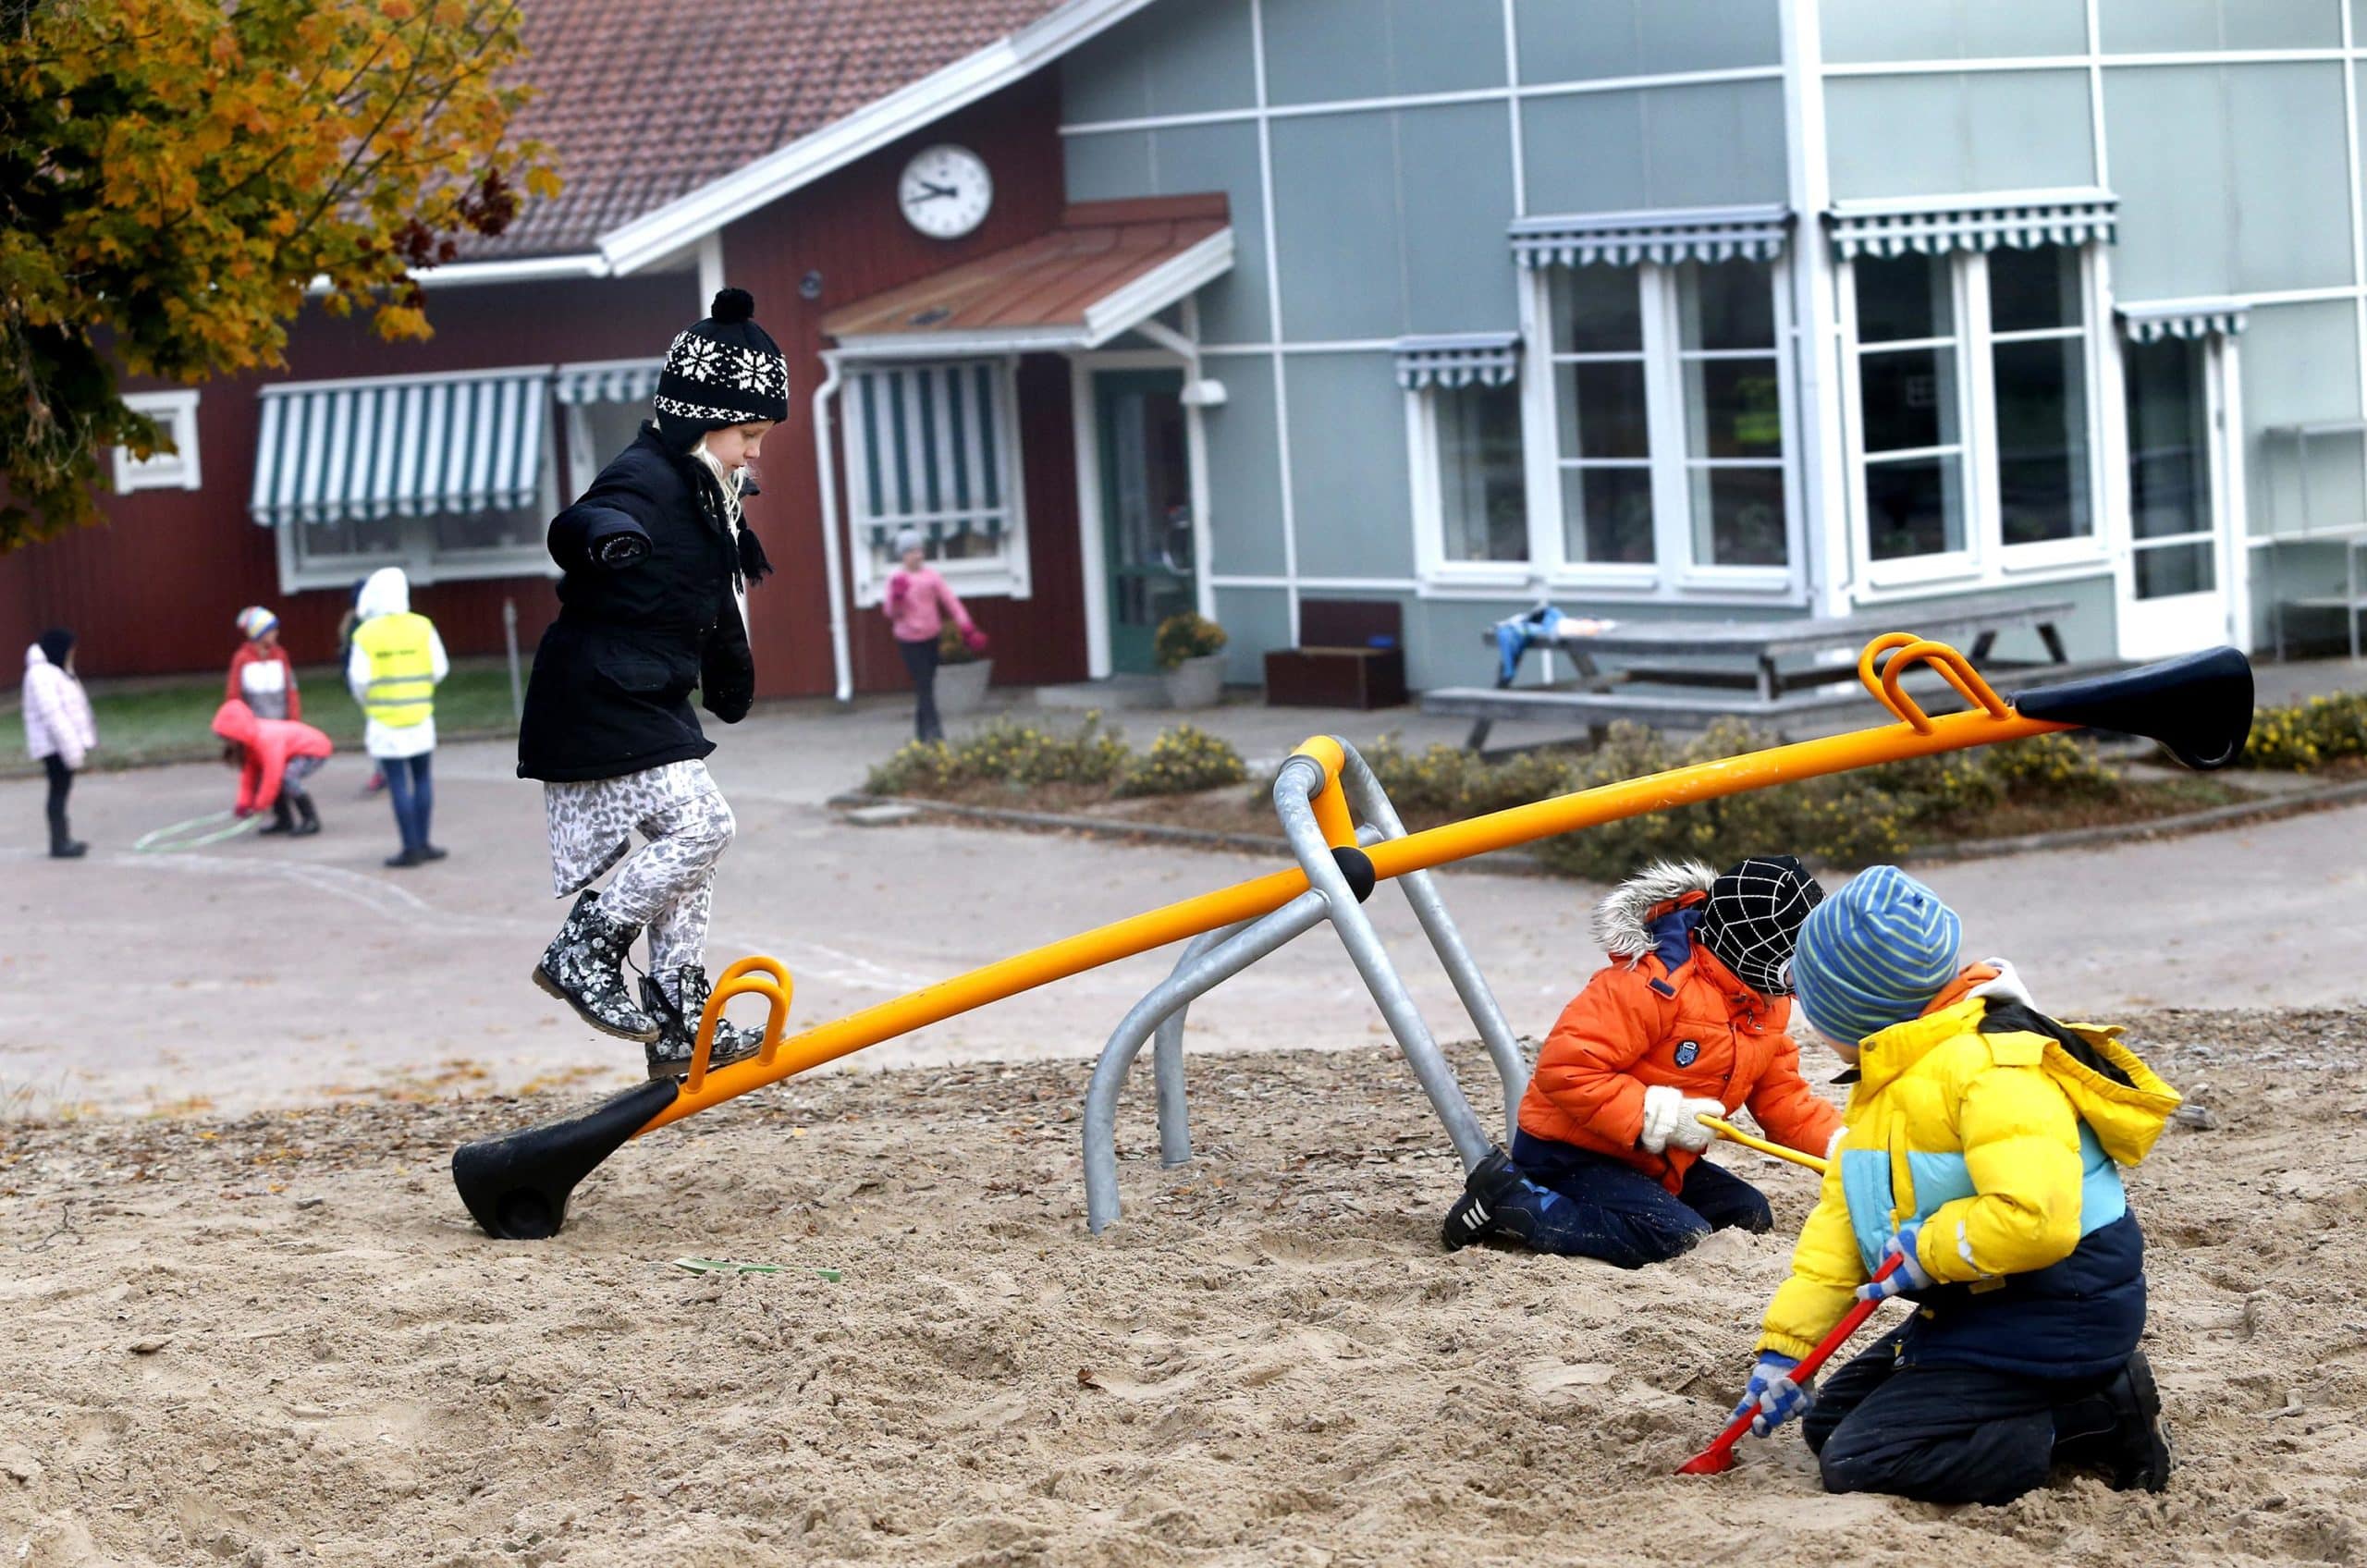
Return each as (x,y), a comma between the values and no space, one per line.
(59,731)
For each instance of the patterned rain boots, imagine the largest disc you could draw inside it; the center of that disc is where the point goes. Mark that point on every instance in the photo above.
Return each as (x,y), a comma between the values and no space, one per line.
(585,968)
(669,1054)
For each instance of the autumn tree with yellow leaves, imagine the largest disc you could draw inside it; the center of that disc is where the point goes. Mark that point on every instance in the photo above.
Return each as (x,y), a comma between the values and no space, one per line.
(177,175)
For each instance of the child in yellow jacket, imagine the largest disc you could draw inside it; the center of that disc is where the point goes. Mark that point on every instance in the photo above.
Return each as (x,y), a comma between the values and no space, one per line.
(1984,1149)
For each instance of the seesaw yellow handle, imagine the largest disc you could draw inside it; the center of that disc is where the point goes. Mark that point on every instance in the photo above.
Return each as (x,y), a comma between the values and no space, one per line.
(1728,1130)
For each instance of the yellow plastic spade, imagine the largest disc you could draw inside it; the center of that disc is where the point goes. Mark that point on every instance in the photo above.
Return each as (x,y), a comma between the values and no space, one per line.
(1728,1130)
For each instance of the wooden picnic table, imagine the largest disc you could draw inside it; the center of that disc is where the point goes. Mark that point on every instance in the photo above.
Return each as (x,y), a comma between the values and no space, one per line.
(1686,654)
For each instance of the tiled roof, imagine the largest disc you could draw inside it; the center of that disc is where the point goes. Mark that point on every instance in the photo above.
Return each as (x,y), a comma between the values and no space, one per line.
(1056,285)
(641,103)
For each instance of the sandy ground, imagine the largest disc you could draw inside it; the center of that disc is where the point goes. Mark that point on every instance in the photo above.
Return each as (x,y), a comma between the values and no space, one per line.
(276,1339)
(262,973)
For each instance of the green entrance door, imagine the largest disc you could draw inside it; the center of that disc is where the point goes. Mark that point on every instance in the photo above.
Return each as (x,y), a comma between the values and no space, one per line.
(1146,509)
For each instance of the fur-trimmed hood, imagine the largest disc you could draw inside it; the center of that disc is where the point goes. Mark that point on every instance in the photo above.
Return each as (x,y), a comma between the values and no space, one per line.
(1622,922)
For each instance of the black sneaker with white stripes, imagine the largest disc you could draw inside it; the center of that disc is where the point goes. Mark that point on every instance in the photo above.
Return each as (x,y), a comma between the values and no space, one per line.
(1473,1217)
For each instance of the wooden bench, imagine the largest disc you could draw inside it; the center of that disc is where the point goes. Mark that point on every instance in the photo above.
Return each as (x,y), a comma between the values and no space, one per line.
(1774,670)
(1351,653)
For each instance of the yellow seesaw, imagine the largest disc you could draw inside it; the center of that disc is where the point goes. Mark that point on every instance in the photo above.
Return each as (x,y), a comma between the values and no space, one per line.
(2199,708)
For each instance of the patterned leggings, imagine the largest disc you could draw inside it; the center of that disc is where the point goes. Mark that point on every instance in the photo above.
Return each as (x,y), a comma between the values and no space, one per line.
(669,883)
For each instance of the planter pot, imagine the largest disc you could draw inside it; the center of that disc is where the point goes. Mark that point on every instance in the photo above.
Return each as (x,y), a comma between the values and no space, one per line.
(1196,684)
(962,688)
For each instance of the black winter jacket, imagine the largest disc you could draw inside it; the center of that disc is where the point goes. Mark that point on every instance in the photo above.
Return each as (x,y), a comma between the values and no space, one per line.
(646,612)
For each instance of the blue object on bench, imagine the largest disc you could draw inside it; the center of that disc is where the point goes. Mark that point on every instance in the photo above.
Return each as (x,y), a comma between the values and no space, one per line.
(1513,637)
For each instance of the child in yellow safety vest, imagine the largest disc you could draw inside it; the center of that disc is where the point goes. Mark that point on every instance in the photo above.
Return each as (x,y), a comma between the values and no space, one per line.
(397,663)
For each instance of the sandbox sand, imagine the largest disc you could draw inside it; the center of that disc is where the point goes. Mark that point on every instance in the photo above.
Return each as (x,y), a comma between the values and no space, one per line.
(277,1340)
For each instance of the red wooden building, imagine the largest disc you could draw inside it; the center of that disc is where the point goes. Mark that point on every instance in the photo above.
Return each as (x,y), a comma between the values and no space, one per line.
(886,177)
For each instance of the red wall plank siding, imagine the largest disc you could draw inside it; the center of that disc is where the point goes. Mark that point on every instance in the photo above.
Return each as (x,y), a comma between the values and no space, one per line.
(153,592)
(848,229)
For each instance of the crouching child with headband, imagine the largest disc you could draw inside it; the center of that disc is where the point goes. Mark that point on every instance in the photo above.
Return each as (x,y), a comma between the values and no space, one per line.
(1687,1020)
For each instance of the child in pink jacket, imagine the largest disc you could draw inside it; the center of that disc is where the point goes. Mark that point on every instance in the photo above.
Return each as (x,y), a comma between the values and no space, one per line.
(917,604)
(274,757)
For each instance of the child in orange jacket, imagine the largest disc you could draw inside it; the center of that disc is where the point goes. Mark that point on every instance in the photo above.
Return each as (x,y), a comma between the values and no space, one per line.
(1687,1020)
(274,757)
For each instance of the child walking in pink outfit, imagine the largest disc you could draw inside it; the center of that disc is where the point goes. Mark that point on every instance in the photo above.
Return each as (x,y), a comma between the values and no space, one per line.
(917,604)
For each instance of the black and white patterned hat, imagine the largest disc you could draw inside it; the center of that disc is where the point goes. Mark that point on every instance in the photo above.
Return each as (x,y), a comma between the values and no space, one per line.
(725,370)
(1753,917)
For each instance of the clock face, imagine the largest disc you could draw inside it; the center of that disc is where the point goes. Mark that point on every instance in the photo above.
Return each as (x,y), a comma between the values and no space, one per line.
(945,191)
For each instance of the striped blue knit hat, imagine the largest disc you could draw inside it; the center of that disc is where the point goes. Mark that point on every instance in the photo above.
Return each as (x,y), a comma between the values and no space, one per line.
(1874,954)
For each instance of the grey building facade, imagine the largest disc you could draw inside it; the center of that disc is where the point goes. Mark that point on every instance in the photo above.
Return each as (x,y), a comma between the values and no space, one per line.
(1693,308)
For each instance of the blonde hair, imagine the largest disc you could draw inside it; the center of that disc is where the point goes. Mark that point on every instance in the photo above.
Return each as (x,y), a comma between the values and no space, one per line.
(726,480)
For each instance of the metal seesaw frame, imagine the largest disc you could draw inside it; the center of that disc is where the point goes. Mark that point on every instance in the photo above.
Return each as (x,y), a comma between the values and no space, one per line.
(1313,791)
(517,1184)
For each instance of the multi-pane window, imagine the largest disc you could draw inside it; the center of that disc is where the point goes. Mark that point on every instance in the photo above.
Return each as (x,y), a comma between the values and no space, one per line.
(2038,356)
(1909,373)
(2169,469)
(1972,412)
(932,447)
(1669,407)
(1483,494)
(1734,413)
(1599,387)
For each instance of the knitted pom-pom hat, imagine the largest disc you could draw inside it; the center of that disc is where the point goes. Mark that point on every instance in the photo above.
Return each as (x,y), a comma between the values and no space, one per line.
(1874,954)
(725,370)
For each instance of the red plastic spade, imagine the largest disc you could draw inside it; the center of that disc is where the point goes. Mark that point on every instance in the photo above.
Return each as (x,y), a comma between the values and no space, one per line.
(1719,1457)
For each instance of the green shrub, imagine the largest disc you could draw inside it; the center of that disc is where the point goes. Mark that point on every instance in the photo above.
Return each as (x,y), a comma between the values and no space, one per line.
(1183,761)
(1185,636)
(2309,734)
(1008,750)
(2051,767)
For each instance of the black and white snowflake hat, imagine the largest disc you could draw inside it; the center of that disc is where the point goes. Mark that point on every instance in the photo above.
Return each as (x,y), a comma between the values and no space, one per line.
(725,370)
(1753,917)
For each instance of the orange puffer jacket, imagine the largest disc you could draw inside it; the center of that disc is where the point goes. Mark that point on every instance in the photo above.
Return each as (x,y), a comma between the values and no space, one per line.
(1665,1010)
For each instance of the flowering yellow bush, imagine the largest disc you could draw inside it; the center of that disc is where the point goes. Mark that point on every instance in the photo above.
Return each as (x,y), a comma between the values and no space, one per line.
(1182,761)
(1007,750)
(2309,734)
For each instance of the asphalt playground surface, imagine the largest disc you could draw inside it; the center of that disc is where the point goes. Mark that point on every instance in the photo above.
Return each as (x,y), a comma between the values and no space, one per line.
(258,972)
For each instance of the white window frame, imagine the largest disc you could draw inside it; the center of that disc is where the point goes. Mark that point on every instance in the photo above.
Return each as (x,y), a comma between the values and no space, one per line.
(419,557)
(1985,560)
(176,470)
(1427,469)
(1674,573)
(1001,575)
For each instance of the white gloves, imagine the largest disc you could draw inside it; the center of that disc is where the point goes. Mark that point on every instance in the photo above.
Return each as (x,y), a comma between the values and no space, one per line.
(2007,986)
(1669,1115)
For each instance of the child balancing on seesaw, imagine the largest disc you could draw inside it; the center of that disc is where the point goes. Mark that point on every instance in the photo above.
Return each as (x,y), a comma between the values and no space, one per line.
(1983,1151)
(1687,1020)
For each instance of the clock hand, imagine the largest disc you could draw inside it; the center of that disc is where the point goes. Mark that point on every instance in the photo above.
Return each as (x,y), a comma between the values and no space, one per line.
(933,193)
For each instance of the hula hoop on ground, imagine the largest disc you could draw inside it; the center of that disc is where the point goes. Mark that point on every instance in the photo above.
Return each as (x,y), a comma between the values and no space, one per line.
(194,834)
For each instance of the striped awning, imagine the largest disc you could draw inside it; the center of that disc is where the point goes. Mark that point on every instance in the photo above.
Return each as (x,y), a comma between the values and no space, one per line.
(930,449)
(607,381)
(1667,235)
(1458,359)
(2182,318)
(405,446)
(1934,225)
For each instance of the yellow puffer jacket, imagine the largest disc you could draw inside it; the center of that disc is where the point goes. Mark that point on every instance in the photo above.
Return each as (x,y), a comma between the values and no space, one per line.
(2004,1133)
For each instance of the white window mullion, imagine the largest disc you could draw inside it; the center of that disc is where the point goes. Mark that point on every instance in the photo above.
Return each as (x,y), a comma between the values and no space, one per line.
(1664,434)
(1540,431)
(1853,430)
(1977,384)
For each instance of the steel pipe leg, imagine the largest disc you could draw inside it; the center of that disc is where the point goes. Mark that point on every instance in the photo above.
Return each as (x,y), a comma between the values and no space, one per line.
(1300,777)
(1455,955)
(1167,1059)
(1220,963)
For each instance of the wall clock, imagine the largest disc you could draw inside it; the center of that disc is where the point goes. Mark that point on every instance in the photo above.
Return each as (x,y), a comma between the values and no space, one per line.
(945,191)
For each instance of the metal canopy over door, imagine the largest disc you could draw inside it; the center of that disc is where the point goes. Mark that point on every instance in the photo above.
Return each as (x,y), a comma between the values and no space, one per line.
(1146,509)
(2174,597)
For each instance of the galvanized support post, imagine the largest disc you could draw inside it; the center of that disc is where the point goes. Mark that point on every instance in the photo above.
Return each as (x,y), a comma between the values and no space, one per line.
(1295,787)
(1167,1059)
(1372,804)
(1228,958)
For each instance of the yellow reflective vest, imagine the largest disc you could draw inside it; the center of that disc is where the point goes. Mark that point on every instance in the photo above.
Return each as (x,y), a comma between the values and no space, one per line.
(401,692)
